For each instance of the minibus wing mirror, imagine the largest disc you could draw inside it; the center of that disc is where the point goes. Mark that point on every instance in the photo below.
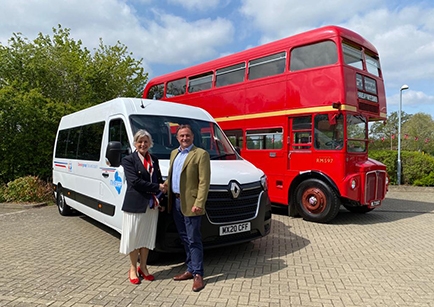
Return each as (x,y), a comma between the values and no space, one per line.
(114,153)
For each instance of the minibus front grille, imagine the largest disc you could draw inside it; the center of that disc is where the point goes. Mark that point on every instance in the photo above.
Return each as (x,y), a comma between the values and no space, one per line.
(223,208)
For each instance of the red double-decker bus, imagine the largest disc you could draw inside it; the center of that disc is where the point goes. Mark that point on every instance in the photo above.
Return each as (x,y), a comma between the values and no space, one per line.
(298,108)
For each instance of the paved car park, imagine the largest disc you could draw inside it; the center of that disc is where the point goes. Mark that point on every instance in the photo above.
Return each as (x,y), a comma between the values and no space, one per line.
(383,258)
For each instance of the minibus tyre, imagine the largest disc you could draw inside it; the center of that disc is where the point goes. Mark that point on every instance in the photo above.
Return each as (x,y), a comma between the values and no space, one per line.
(358,209)
(316,201)
(63,208)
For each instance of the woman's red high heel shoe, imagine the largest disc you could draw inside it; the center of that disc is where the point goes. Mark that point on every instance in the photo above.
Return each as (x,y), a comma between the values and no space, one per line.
(146,277)
(134,281)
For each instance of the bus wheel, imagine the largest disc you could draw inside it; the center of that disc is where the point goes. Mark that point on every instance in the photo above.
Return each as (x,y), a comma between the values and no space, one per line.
(317,201)
(63,208)
(358,209)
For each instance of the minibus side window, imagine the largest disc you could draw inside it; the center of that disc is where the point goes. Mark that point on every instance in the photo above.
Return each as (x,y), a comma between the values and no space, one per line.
(89,146)
(62,143)
(118,132)
(71,149)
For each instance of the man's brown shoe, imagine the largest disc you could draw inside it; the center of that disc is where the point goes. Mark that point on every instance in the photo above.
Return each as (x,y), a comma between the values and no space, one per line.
(184,276)
(198,283)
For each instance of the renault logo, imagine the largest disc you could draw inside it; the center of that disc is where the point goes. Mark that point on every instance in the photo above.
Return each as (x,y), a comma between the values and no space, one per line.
(235,189)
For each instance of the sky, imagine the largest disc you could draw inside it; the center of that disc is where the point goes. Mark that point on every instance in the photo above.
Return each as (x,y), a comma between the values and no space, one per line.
(173,34)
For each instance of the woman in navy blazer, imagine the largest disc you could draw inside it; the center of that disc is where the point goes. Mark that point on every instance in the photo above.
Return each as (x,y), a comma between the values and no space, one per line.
(141,205)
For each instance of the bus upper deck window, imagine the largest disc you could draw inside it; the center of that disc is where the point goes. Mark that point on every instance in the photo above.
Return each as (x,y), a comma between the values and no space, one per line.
(353,56)
(176,87)
(200,82)
(267,66)
(314,55)
(230,75)
(372,65)
(156,92)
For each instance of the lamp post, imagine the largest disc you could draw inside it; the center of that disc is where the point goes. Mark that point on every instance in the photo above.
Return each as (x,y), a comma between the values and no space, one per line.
(403,88)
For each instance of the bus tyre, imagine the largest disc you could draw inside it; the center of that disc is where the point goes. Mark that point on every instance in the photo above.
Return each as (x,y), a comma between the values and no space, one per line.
(358,209)
(63,208)
(317,201)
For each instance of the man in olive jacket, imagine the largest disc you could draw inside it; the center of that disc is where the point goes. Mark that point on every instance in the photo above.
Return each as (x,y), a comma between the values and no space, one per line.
(187,186)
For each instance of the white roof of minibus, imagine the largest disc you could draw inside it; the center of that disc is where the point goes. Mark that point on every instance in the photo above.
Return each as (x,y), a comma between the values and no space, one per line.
(128,106)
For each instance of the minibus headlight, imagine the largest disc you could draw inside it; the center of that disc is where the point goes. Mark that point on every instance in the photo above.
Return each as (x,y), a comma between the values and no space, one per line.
(264,183)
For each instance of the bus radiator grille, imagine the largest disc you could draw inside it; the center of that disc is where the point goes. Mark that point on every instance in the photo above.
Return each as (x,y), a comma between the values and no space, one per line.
(375,186)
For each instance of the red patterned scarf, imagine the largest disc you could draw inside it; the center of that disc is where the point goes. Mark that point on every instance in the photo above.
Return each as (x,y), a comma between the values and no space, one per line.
(149,166)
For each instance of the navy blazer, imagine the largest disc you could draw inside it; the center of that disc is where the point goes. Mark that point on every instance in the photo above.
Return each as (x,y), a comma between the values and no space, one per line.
(139,185)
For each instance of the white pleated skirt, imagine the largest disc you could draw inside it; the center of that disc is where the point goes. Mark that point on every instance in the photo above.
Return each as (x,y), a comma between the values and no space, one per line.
(138,230)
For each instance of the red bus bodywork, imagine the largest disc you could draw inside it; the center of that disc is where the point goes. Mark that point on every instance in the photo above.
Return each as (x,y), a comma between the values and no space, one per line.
(330,75)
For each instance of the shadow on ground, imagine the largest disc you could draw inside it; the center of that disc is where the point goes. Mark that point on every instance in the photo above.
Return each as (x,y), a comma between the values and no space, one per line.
(252,259)
(391,210)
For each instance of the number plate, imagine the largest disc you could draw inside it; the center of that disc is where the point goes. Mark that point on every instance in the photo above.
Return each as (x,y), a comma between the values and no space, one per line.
(375,203)
(235,228)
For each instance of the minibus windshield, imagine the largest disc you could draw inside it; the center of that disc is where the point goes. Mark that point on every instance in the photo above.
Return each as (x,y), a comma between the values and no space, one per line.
(207,135)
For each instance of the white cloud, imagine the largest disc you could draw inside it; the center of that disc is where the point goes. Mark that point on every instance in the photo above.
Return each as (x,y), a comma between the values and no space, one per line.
(168,39)
(404,39)
(281,18)
(176,41)
(412,102)
(88,20)
(139,1)
(201,5)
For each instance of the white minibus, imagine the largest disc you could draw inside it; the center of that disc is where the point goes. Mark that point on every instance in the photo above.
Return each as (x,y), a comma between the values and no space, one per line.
(88,176)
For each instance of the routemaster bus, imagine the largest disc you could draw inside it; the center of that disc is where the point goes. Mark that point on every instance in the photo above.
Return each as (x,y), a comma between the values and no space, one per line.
(297,108)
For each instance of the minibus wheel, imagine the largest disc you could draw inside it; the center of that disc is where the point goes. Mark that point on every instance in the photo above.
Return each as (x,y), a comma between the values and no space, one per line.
(63,208)
(316,201)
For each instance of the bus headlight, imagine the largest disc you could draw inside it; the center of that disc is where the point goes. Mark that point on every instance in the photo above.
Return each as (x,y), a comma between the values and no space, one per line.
(353,184)
(264,183)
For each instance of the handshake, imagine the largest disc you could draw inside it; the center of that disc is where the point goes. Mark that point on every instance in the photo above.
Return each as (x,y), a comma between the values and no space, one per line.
(163,188)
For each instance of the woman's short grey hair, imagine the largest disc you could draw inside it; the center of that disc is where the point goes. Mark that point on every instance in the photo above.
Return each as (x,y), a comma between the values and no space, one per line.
(142,133)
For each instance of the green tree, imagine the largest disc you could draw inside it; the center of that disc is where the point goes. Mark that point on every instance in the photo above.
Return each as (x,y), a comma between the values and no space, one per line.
(417,167)
(420,131)
(44,79)
(385,134)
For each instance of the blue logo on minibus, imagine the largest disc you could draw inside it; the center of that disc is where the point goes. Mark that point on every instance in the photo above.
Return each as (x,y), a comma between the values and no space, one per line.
(117,183)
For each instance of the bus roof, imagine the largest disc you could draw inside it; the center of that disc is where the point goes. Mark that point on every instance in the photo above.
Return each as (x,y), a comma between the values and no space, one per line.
(278,45)
(129,106)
